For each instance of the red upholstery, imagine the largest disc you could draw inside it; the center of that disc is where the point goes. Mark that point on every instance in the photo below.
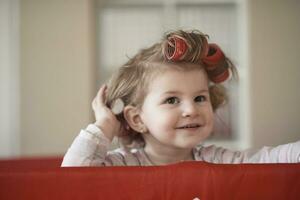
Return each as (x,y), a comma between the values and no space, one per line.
(39,179)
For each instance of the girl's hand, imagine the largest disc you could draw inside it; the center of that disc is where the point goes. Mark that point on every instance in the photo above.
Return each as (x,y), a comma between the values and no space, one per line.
(105,119)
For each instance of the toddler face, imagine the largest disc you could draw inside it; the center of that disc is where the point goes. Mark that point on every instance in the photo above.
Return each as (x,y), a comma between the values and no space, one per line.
(177,110)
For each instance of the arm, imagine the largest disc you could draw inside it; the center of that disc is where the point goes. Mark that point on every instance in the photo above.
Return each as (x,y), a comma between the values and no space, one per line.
(90,146)
(88,149)
(287,153)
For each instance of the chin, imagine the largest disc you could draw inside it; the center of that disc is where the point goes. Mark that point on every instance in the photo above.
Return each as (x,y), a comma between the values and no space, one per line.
(190,145)
(195,142)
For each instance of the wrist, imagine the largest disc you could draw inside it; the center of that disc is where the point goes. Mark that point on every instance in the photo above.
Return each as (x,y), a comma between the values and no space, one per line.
(105,130)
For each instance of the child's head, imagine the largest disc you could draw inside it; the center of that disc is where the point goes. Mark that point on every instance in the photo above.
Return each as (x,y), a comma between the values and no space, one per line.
(163,68)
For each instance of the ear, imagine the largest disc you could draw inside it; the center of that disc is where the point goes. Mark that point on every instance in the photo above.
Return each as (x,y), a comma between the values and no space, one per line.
(132,116)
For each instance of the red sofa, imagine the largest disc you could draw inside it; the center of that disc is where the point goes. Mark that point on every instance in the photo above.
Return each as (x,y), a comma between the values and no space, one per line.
(42,178)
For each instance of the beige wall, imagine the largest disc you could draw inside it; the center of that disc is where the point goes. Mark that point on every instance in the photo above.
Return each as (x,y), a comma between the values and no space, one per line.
(57,73)
(275,71)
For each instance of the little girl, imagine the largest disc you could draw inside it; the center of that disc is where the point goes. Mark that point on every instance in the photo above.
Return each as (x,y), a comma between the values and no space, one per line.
(160,105)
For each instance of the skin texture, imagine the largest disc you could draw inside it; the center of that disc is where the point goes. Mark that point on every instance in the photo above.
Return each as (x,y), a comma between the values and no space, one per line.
(176,115)
(176,99)
(105,119)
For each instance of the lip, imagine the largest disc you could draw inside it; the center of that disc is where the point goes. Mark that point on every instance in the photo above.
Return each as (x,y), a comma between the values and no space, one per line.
(190,126)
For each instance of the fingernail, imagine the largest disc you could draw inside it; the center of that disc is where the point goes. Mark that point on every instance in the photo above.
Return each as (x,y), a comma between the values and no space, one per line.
(102,87)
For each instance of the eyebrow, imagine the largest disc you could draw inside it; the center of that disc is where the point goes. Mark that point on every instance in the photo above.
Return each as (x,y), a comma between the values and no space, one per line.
(176,92)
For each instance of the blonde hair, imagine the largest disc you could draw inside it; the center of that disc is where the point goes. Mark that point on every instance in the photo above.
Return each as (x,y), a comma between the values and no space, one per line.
(130,82)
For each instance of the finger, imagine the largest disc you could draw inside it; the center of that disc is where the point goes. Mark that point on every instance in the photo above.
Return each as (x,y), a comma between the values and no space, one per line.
(94,103)
(102,95)
(96,100)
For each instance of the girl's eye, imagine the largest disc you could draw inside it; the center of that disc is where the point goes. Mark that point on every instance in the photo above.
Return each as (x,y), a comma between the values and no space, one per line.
(172,100)
(200,98)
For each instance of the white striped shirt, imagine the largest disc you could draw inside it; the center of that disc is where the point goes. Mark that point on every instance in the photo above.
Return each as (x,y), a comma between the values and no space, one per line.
(90,148)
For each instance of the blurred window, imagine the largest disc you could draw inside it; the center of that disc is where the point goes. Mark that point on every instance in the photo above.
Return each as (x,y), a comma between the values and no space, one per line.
(127,26)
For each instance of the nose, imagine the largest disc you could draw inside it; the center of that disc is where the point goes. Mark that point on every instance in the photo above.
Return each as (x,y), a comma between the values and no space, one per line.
(189,109)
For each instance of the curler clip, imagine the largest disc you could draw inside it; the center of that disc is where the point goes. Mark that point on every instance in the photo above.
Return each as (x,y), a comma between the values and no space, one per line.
(175,48)
(117,106)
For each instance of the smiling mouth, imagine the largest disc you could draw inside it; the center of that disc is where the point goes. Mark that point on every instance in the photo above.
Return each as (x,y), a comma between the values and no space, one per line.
(189,126)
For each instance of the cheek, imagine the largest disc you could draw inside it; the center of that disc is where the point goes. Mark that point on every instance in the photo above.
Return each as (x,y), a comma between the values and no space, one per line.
(211,121)
(209,115)
(210,125)
(159,120)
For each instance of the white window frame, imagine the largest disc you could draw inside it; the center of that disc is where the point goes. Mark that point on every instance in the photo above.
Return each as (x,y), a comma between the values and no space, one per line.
(10,79)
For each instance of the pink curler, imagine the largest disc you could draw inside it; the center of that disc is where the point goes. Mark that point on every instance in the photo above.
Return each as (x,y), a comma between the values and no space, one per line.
(176,48)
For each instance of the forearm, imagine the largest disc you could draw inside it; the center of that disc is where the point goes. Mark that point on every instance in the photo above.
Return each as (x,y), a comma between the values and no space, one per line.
(286,153)
(88,149)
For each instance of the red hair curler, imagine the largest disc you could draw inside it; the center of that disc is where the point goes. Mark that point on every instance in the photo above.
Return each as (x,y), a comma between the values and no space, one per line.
(214,55)
(216,64)
(175,48)
(205,48)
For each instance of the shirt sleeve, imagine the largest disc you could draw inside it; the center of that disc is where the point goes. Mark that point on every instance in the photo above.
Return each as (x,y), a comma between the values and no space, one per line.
(287,153)
(90,148)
